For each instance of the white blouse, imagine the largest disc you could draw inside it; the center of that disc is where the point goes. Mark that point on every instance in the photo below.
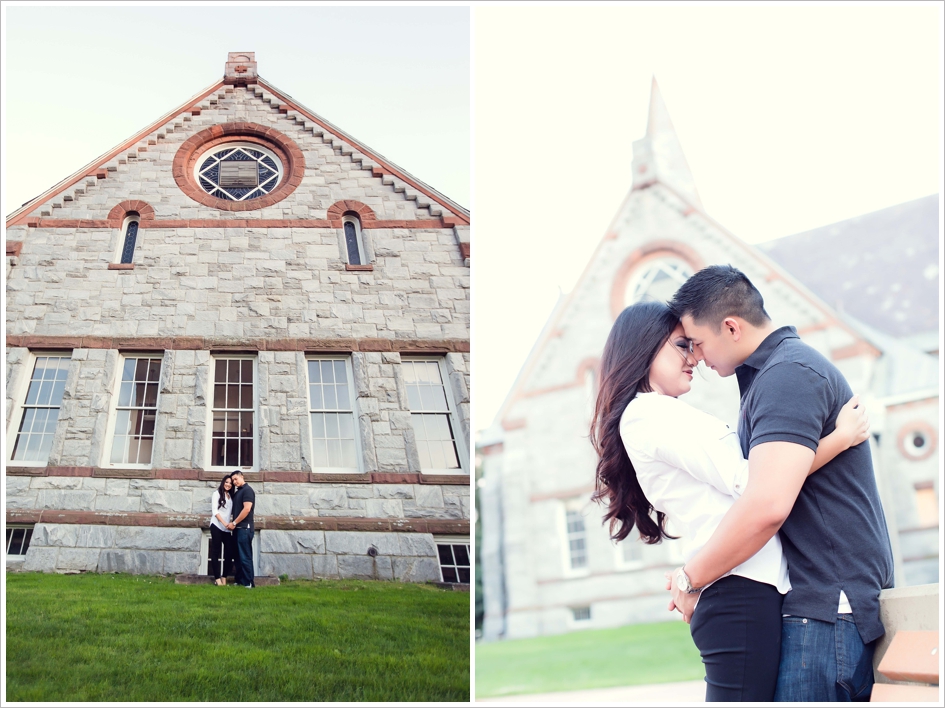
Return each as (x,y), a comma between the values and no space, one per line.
(226,511)
(690,467)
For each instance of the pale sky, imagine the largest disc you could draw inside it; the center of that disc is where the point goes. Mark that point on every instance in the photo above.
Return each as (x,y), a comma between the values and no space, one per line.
(791,117)
(79,80)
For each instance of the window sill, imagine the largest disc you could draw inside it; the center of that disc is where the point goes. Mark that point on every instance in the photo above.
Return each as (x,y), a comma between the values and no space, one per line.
(367,267)
(121,266)
(447,478)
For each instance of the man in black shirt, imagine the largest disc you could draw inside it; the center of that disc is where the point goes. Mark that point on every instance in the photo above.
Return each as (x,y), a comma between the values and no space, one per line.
(832,526)
(244,502)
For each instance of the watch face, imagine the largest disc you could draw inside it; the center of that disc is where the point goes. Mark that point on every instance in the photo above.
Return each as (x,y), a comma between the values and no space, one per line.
(681,583)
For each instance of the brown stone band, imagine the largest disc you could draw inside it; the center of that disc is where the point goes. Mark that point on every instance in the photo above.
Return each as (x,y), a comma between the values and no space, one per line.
(290,476)
(50,223)
(263,523)
(227,345)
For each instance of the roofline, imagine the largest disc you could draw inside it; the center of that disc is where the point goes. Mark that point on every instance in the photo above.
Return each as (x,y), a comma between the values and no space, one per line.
(391,167)
(781,273)
(551,328)
(18,215)
(563,303)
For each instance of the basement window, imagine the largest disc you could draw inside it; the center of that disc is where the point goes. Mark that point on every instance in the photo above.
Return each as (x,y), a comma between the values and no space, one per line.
(18,540)
(454,560)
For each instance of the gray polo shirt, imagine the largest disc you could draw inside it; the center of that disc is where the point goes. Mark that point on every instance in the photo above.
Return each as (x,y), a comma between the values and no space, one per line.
(835,537)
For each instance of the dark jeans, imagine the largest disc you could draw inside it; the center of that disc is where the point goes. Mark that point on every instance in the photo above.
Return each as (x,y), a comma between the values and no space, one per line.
(244,560)
(221,544)
(824,661)
(737,629)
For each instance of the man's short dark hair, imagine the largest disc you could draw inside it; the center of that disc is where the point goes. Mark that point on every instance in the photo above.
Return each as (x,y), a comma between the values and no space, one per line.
(717,292)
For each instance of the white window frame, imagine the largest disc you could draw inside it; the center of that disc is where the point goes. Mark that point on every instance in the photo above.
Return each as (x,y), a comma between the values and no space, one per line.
(458,439)
(352,397)
(16,418)
(130,217)
(454,541)
(113,411)
(576,505)
(362,253)
(19,557)
(208,456)
(573,621)
(621,561)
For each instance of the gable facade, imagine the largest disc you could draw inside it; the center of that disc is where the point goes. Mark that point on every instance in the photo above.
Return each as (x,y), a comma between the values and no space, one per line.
(547,561)
(190,318)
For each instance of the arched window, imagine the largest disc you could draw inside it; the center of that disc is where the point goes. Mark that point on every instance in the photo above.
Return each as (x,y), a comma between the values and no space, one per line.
(129,229)
(354,244)
(658,279)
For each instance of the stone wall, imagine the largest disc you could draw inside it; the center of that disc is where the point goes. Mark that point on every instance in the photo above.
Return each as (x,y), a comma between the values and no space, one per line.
(409,557)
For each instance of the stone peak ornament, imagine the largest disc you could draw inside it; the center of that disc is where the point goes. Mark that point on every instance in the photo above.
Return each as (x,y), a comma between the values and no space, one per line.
(240,69)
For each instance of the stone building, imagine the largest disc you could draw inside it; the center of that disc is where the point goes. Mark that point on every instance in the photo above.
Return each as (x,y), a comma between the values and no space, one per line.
(863,292)
(240,284)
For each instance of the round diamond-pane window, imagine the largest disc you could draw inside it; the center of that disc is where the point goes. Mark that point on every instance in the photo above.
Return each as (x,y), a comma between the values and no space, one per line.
(238,172)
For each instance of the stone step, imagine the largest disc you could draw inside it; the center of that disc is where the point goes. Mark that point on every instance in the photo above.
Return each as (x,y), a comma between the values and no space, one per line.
(194,579)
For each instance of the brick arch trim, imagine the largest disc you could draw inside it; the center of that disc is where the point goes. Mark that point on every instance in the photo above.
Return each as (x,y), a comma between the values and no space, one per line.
(186,157)
(120,210)
(649,252)
(344,206)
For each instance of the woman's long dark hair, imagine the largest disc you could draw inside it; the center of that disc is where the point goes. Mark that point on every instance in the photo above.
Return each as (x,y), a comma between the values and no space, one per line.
(223,492)
(633,342)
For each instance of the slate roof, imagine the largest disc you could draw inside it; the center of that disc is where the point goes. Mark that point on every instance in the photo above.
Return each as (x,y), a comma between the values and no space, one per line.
(881,268)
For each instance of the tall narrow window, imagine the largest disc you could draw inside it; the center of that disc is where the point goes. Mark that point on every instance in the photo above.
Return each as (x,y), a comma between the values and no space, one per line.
(331,410)
(234,414)
(353,241)
(577,539)
(432,416)
(41,409)
(136,411)
(130,232)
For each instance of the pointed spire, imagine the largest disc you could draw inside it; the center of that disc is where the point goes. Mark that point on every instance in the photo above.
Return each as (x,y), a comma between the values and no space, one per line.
(659,156)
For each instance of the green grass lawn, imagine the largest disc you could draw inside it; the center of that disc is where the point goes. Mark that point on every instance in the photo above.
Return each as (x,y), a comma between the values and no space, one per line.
(137,638)
(625,656)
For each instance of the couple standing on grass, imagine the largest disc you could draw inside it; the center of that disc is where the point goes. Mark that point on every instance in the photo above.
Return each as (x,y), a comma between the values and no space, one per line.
(233,536)
(794,491)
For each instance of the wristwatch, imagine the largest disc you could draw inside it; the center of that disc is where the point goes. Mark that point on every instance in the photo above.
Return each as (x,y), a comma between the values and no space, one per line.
(684,584)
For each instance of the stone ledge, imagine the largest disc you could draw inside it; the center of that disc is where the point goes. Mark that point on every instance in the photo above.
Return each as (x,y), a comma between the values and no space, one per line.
(289,344)
(263,523)
(286,476)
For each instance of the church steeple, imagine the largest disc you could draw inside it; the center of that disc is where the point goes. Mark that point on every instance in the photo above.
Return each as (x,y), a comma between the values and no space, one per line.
(659,156)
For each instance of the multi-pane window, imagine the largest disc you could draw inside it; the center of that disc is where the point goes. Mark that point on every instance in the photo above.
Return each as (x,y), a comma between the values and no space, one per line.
(331,411)
(130,237)
(234,414)
(577,539)
(581,614)
(354,244)
(657,280)
(431,415)
(18,540)
(136,411)
(238,172)
(454,561)
(41,409)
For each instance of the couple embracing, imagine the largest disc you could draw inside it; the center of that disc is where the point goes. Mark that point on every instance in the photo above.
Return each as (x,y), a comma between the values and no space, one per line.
(231,530)
(784,535)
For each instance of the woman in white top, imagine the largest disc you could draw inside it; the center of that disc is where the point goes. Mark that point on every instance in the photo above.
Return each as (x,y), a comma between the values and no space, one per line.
(221,531)
(658,454)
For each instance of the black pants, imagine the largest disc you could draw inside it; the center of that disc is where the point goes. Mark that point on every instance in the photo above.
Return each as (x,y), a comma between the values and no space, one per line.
(221,541)
(737,629)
